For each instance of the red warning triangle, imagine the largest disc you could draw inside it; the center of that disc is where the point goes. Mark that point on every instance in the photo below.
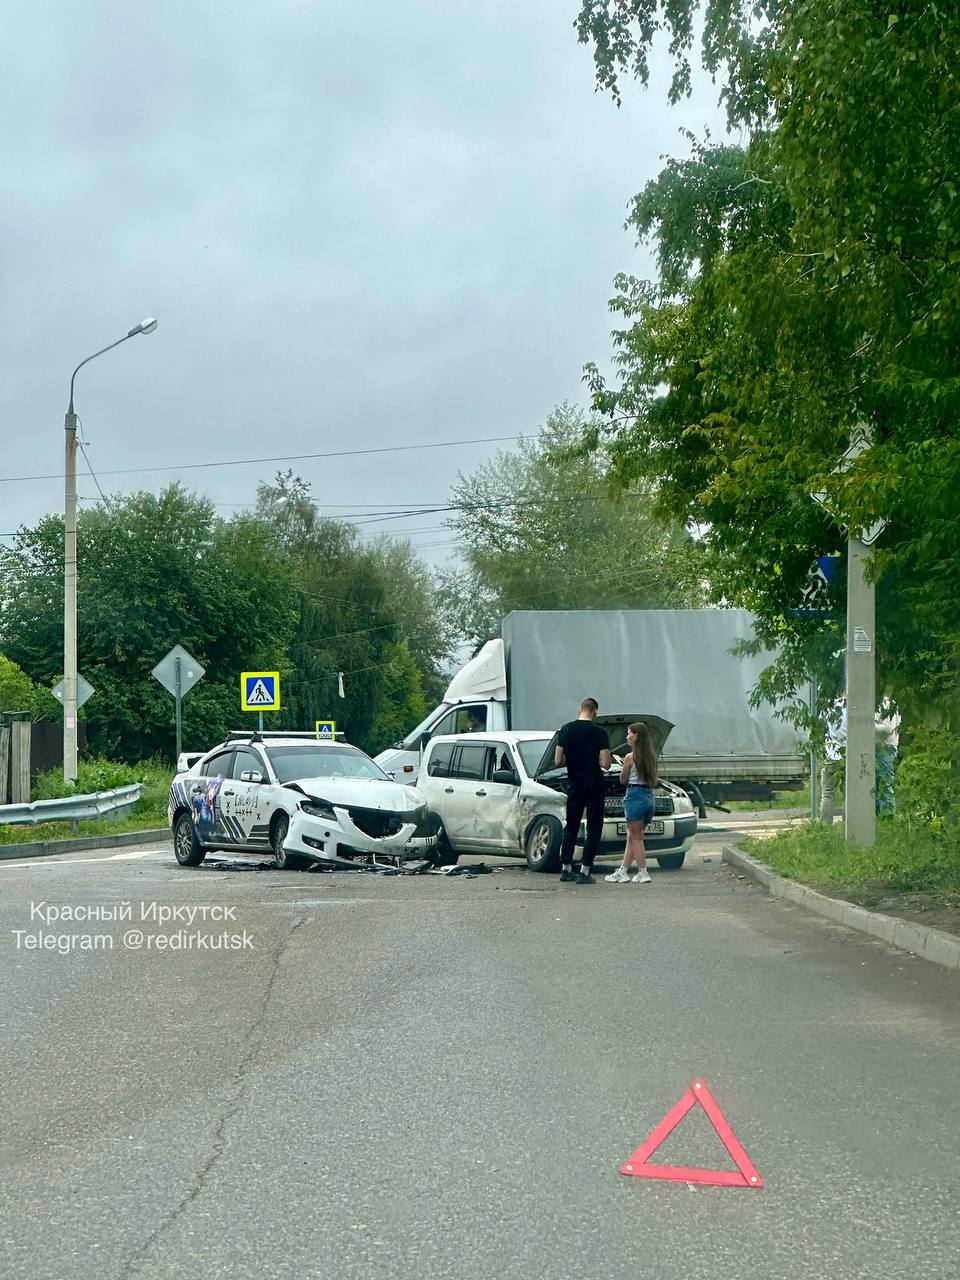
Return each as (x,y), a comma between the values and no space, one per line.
(637,1167)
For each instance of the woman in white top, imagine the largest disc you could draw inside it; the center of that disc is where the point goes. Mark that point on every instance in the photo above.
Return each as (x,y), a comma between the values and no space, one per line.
(639,773)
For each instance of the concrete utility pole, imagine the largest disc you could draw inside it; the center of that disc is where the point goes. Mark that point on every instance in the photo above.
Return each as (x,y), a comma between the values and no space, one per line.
(861,822)
(860,826)
(70,564)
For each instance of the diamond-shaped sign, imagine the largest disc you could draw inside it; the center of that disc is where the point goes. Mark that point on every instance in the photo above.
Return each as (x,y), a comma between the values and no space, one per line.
(871,533)
(166,671)
(84,690)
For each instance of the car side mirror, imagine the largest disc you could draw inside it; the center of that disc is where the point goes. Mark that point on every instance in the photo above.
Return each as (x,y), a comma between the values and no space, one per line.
(507,776)
(251,775)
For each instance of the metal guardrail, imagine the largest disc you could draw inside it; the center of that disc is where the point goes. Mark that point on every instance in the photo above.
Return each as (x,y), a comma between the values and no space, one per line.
(73,808)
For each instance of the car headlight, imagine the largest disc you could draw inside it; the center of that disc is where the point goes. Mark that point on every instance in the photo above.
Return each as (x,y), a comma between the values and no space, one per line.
(682,804)
(319,809)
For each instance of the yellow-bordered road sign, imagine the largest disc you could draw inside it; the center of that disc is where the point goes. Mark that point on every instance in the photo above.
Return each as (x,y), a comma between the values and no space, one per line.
(327,730)
(260,690)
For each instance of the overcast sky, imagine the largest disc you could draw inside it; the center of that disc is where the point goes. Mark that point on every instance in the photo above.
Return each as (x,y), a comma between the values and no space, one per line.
(359,224)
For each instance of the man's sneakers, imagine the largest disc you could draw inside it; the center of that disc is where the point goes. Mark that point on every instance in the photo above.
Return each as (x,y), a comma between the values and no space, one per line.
(642,876)
(620,876)
(584,876)
(568,874)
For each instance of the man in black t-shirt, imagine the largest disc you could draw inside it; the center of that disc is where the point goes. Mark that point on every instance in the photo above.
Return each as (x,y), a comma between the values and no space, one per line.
(585,750)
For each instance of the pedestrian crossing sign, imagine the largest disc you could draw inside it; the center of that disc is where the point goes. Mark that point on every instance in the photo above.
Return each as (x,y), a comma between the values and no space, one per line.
(327,730)
(260,690)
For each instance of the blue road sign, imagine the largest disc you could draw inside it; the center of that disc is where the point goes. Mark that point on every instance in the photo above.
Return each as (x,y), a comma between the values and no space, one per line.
(260,690)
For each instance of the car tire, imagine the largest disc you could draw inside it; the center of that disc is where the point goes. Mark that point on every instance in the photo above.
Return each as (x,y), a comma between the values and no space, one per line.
(447,856)
(278,833)
(671,861)
(187,849)
(544,838)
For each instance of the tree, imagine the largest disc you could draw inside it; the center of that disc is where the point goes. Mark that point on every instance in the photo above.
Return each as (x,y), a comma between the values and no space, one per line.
(412,594)
(402,703)
(365,611)
(543,528)
(17,690)
(807,282)
(152,572)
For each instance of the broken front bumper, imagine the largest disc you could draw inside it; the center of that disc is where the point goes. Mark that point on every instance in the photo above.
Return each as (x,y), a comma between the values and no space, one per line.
(339,840)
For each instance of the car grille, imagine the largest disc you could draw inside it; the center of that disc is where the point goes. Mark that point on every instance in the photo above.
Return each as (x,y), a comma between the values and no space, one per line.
(613,804)
(375,822)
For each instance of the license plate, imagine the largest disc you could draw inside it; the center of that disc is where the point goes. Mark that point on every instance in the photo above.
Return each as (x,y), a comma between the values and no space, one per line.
(654,828)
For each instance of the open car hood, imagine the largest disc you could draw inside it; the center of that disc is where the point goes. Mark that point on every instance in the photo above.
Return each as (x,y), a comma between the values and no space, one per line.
(616,727)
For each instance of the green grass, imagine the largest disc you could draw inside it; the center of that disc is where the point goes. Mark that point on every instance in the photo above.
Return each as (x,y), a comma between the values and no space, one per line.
(906,857)
(149,812)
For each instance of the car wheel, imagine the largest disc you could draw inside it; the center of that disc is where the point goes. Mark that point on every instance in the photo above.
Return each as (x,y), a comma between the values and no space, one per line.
(543,844)
(278,833)
(671,861)
(187,849)
(447,856)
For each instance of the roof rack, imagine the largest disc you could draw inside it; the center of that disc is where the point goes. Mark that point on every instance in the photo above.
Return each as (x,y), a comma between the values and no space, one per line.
(262,735)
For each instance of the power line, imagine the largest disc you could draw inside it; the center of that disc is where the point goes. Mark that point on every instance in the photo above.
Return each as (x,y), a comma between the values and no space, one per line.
(286,457)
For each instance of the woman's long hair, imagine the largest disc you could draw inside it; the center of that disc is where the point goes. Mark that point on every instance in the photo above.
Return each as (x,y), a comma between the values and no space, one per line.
(644,756)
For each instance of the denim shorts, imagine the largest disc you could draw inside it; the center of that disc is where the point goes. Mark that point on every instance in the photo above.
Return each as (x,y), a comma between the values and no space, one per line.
(638,804)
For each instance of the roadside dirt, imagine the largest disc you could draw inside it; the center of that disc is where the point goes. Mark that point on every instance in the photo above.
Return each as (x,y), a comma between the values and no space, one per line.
(937,910)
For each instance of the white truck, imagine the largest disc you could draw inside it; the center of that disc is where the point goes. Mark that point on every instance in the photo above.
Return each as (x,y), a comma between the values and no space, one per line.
(673,663)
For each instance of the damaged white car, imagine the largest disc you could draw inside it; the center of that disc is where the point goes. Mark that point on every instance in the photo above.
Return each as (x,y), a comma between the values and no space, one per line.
(302,800)
(502,793)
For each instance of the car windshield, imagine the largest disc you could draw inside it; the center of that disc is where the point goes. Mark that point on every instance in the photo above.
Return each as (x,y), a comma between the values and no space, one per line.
(334,761)
(531,753)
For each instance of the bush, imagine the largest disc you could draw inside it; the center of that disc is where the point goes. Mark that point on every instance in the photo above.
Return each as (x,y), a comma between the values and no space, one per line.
(96,774)
(927,781)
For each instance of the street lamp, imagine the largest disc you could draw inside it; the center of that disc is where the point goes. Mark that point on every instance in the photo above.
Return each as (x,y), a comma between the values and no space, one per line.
(70,565)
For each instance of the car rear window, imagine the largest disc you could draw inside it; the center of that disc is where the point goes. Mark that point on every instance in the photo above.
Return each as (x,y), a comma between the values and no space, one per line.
(218,764)
(471,763)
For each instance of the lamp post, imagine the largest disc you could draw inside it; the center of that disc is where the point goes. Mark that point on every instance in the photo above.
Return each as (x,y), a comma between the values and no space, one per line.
(70,564)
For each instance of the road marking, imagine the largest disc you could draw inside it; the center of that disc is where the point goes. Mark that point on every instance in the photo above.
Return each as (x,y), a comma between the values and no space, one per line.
(66,862)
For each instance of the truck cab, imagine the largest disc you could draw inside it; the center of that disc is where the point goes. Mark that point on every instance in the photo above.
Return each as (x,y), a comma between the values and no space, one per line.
(475,702)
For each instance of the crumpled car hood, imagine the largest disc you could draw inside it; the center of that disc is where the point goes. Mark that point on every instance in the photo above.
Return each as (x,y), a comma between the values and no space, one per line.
(365,793)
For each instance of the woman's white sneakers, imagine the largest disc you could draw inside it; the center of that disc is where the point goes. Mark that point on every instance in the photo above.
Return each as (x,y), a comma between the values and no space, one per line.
(622,876)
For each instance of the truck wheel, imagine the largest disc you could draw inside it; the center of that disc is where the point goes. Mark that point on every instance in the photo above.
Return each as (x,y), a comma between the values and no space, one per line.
(278,833)
(543,844)
(187,849)
(671,861)
(447,856)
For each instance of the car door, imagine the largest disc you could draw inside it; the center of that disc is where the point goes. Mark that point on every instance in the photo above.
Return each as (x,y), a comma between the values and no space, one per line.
(496,812)
(206,801)
(463,794)
(246,803)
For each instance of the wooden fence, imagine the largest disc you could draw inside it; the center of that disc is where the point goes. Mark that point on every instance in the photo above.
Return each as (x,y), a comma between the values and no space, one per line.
(28,749)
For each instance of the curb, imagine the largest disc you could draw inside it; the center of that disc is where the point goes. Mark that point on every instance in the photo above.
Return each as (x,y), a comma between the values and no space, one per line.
(47,848)
(919,939)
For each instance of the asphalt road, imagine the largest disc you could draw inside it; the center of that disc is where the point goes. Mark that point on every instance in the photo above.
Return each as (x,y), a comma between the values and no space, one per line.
(433,1076)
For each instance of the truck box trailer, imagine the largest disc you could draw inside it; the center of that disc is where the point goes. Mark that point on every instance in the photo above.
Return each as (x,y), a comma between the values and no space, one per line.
(673,663)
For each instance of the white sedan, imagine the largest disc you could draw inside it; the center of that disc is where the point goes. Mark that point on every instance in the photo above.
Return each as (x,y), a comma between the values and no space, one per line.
(303,800)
